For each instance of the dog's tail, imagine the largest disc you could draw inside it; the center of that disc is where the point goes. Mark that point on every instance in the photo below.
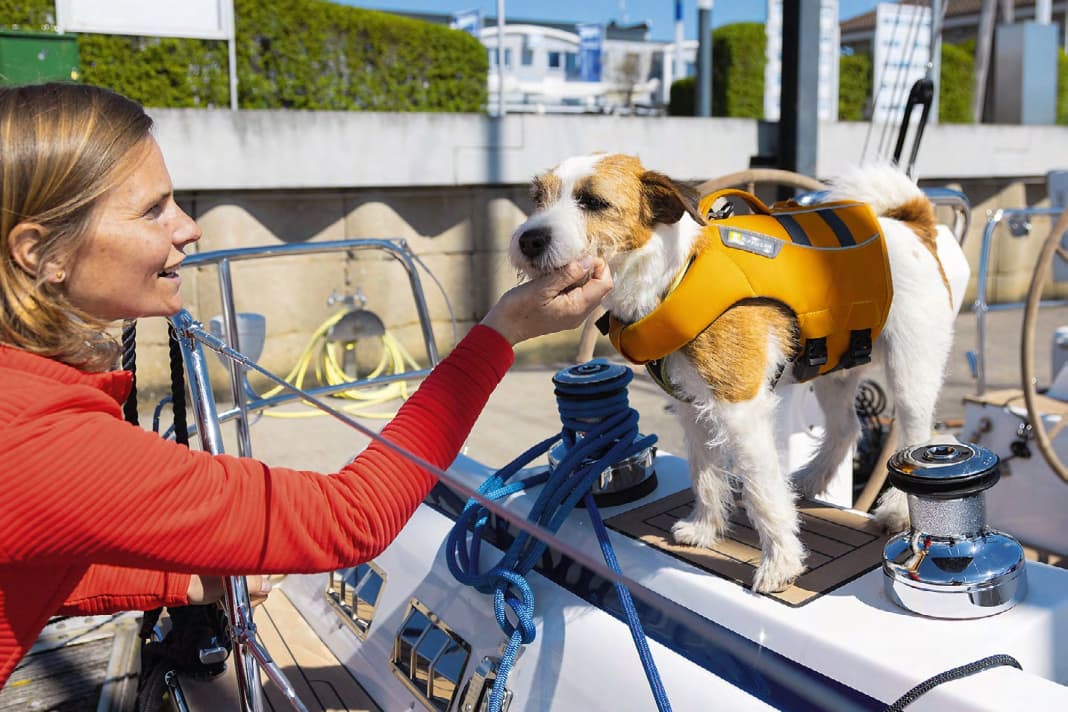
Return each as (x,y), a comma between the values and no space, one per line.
(890,193)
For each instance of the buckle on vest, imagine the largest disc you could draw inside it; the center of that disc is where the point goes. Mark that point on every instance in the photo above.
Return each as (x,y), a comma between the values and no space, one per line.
(859,352)
(603,322)
(655,369)
(813,355)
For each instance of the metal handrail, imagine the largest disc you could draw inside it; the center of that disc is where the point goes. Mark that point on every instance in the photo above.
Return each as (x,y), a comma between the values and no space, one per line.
(961,206)
(980,305)
(250,656)
(222,259)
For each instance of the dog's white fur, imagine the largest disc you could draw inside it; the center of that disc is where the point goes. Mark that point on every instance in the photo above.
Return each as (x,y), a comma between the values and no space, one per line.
(733,442)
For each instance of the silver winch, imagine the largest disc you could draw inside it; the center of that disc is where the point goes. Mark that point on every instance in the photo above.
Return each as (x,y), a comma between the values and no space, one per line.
(950,564)
(632,477)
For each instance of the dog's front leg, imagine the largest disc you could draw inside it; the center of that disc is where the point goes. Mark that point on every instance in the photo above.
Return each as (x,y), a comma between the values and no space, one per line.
(766,491)
(711,485)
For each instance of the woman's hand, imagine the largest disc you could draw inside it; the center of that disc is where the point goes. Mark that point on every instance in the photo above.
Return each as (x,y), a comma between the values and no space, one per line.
(210,589)
(556,301)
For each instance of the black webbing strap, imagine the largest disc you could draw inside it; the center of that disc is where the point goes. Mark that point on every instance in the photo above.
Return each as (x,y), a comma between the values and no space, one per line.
(949,675)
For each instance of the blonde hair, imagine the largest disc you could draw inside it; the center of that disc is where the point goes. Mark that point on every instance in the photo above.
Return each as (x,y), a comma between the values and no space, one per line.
(62,147)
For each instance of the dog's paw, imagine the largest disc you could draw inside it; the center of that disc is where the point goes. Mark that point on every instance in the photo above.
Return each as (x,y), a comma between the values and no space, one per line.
(777,572)
(892,511)
(695,533)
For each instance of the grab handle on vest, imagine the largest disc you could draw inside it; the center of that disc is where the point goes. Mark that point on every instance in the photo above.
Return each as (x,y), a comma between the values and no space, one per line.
(756,204)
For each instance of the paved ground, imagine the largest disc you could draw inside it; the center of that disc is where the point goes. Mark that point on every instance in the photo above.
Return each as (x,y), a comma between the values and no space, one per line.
(522,410)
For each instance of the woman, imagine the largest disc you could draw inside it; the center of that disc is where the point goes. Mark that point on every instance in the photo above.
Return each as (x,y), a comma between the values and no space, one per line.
(90,234)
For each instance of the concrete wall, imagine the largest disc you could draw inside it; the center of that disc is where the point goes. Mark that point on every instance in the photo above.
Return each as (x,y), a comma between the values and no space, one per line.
(454,187)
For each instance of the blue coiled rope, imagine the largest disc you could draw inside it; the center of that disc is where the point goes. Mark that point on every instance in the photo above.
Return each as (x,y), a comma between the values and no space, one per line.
(599,429)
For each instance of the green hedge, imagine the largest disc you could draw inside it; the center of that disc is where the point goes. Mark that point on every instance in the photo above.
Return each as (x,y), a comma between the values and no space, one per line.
(1062,87)
(683,98)
(313,54)
(28,14)
(292,54)
(956,86)
(738,59)
(854,87)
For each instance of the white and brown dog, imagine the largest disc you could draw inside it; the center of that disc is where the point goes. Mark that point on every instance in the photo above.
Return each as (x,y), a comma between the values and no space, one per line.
(647,227)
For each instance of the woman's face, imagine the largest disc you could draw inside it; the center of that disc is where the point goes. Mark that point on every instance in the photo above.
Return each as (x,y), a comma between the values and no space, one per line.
(127,267)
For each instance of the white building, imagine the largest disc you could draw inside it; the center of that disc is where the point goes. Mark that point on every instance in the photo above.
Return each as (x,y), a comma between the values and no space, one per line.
(543,66)
(542,69)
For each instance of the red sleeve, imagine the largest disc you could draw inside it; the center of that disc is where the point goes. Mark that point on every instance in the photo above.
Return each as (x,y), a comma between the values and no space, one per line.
(105,481)
(142,590)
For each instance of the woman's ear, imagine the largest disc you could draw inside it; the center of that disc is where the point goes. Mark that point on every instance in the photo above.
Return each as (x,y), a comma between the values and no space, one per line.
(24,241)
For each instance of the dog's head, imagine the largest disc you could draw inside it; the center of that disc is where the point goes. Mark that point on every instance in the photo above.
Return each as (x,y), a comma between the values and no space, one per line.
(602,204)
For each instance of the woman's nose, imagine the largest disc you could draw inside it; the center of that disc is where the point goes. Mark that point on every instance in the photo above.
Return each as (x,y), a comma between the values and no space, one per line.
(188,231)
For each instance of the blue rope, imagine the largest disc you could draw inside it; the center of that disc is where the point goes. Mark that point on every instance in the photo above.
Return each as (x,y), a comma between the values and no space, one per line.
(599,429)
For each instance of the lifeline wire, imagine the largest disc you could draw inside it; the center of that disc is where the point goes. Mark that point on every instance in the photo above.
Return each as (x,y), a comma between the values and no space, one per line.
(600,429)
(818,694)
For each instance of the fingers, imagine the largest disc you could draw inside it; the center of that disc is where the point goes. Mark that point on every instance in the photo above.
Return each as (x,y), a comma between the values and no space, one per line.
(258,588)
(555,301)
(594,282)
(600,282)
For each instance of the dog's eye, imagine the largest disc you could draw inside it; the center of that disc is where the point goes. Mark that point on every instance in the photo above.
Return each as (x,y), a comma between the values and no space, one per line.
(589,201)
(537,194)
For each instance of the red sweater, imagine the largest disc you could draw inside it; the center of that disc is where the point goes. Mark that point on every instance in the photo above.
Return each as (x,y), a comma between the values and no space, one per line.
(79,533)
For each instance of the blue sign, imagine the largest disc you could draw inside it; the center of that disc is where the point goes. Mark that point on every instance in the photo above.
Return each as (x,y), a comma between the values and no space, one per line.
(591,42)
(470,21)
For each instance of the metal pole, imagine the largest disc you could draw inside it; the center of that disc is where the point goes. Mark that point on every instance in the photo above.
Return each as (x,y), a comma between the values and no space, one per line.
(250,693)
(798,113)
(704,57)
(680,60)
(934,71)
(231,48)
(500,58)
(1043,12)
(987,15)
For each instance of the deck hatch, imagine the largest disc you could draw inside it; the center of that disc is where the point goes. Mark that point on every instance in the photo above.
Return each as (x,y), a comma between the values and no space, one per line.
(429,657)
(354,593)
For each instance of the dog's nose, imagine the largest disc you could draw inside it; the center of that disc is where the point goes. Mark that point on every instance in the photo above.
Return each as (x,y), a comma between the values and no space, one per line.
(534,241)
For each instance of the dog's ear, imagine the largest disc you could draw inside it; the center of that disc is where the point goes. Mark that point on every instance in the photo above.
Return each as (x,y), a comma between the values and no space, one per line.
(667,200)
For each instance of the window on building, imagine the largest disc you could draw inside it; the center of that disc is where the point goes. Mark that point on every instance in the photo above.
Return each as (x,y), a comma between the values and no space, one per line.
(554,60)
(571,65)
(527,58)
(507,57)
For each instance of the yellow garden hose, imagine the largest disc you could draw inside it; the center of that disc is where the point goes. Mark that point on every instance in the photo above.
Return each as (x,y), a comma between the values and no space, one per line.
(326,356)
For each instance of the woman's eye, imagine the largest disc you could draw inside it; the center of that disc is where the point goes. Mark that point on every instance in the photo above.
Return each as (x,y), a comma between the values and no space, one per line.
(155,211)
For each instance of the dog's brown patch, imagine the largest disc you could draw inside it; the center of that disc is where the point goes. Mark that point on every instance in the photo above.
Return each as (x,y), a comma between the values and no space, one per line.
(612,203)
(546,189)
(918,215)
(732,354)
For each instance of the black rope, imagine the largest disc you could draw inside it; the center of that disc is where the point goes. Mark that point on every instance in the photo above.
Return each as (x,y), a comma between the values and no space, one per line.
(949,675)
(181,429)
(129,363)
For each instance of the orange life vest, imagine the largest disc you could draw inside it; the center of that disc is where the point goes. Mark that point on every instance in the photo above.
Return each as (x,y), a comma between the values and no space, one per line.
(826,262)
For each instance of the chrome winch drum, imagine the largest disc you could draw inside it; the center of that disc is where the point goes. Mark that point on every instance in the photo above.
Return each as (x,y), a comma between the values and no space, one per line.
(629,479)
(950,564)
